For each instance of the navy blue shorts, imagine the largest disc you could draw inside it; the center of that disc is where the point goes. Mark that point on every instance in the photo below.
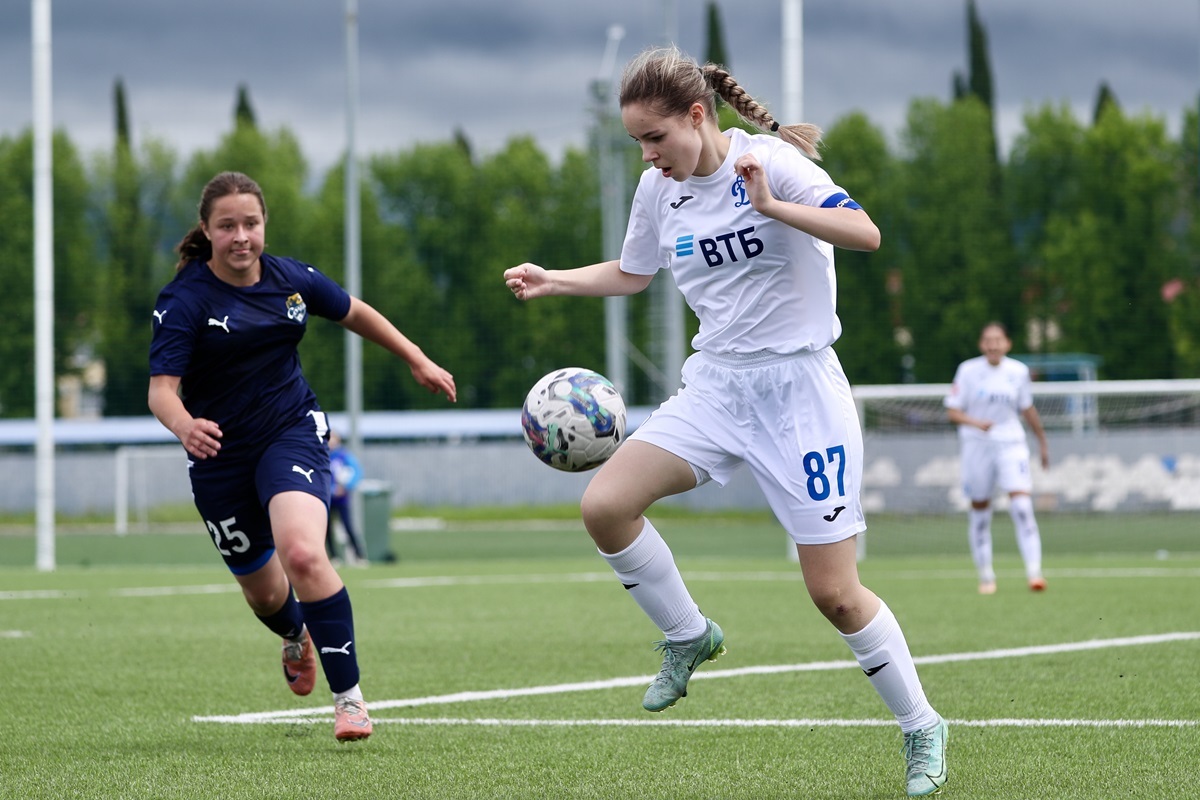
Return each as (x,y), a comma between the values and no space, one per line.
(232,495)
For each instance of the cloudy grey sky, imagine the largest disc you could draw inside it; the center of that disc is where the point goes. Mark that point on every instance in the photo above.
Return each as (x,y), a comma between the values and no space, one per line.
(501,69)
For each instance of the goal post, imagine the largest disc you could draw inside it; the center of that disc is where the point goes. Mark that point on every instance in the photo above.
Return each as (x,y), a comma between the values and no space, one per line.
(140,478)
(1124,448)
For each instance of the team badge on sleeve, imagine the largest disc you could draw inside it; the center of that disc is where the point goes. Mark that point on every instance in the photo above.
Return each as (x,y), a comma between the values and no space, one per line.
(296,309)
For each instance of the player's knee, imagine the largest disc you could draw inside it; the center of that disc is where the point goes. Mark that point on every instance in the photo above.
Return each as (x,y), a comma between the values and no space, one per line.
(302,561)
(837,603)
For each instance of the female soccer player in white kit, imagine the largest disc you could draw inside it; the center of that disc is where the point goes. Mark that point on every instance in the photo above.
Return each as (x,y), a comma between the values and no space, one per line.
(990,395)
(747,226)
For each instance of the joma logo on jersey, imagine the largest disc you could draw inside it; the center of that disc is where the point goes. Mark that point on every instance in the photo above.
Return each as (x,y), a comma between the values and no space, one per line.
(724,248)
(296,309)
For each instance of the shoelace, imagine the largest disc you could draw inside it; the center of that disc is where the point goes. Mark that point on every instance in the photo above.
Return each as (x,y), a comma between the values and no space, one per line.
(293,651)
(918,746)
(672,651)
(349,705)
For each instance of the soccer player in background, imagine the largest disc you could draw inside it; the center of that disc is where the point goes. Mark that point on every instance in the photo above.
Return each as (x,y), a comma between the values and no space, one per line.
(747,226)
(226,381)
(990,395)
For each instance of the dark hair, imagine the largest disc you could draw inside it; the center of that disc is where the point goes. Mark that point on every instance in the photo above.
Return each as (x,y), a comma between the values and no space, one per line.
(669,82)
(195,245)
(995,324)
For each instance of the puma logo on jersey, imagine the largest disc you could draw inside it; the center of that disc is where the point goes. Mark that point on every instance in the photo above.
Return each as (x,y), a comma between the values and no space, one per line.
(344,649)
(307,473)
(678,203)
(158,315)
(223,324)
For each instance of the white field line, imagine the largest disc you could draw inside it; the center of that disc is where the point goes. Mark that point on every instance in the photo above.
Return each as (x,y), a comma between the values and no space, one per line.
(583,577)
(561,688)
(736,723)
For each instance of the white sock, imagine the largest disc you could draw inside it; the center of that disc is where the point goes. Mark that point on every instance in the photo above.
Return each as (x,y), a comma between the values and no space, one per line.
(883,654)
(353,692)
(979,533)
(647,569)
(1029,539)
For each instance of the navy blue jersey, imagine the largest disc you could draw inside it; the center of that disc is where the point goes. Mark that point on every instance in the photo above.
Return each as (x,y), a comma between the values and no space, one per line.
(234,347)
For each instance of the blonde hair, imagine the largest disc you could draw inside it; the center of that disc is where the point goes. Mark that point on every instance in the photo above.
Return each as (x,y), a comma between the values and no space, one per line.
(669,82)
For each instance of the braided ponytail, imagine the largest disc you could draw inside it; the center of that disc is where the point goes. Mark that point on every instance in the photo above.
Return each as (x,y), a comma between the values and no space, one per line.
(804,136)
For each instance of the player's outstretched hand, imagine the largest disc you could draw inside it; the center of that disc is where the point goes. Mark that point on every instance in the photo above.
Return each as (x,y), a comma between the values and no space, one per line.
(434,378)
(527,281)
(200,437)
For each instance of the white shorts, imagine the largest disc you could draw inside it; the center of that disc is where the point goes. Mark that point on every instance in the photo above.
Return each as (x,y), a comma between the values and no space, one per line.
(791,419)
(987,466)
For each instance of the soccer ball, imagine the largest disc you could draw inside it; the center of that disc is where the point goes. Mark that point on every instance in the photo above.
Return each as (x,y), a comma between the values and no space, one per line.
(573,419)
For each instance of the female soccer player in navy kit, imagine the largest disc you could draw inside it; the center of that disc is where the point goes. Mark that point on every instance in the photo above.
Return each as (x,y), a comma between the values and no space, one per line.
(226,380)
(747,226)
(990,395)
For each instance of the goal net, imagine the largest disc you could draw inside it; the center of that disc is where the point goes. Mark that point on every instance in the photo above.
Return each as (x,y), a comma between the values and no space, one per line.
(145,479)
(1124,469)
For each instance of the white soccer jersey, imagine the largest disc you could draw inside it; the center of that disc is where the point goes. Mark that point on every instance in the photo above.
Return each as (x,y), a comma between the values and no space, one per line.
(998,393)
(755,283)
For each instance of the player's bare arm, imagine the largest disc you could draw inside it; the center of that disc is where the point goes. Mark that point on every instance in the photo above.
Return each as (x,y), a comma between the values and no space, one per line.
(606,279)
(960,417)
(848,228)
(1034,420)
(364,320)
(200,437)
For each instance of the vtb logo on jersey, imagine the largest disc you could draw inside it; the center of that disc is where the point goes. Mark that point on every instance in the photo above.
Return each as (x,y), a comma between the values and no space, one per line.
(296,309)
(723,248)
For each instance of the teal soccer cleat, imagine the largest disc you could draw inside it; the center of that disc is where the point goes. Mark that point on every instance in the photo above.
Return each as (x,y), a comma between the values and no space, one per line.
(925,752)
(680,660)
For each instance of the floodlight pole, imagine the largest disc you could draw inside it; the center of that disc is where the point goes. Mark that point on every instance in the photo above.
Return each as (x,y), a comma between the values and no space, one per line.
(43,283)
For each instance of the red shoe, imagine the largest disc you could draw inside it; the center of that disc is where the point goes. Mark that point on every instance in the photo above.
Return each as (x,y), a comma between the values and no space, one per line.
(1037,584)
(300,664)
(350,720)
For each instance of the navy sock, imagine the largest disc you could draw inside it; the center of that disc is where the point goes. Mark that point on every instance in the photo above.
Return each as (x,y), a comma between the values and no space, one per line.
(288,621)
(331,625)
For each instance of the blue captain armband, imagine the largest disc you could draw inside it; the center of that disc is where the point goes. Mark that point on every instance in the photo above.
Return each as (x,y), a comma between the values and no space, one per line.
(840,200)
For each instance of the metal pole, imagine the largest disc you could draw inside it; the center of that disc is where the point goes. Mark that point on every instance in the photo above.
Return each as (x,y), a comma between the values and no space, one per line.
(353,248)
(793,62)
(43,283)
(674,328)
(612,211)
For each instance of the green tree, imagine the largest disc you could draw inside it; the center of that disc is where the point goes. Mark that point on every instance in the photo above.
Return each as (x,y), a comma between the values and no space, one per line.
(1181,293)
(1109,256)
(1043,180)
(956,256)
(243,112)
(857,158)
(978,82)
(131,192)
(74,267)
(714,51)
(431,194)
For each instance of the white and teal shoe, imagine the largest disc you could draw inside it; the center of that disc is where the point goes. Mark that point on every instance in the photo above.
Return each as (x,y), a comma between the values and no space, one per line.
(680,660)
(925,752)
